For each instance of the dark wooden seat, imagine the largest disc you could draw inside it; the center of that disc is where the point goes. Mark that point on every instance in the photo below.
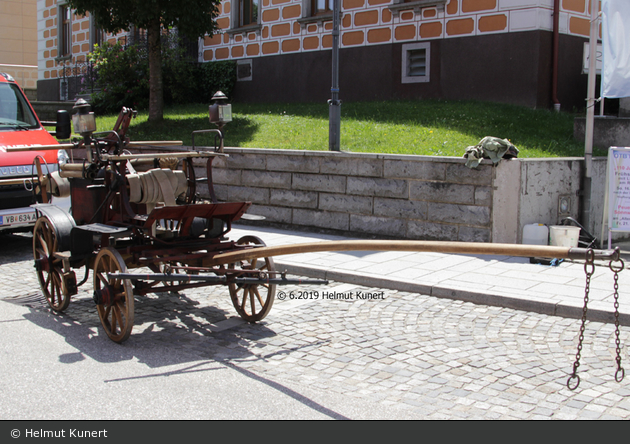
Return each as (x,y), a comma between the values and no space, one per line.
(226,211)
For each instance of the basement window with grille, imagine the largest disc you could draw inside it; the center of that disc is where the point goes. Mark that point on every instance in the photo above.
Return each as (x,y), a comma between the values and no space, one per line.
(416,62)
(244,70)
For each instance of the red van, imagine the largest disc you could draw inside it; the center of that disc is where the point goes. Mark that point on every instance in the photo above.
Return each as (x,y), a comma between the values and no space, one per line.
(20,126)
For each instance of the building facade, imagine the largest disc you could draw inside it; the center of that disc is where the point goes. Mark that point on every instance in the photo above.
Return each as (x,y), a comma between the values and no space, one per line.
(496,50)
(18,42)
(64,41)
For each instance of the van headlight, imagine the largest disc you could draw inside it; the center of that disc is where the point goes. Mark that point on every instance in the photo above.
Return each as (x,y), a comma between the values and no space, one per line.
(62,157)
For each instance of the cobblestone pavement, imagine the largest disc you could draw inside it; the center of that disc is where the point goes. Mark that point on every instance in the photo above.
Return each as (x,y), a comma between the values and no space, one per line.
(432,358)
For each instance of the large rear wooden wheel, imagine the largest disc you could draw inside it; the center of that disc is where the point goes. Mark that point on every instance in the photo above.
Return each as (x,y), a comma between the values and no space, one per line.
(253,301)
(113,296)
(49,268)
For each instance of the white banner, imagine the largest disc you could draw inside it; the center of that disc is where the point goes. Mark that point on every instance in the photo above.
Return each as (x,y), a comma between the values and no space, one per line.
(616,45)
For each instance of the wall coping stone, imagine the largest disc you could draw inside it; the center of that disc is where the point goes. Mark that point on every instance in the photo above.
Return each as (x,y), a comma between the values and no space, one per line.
(348,154)
(385,156)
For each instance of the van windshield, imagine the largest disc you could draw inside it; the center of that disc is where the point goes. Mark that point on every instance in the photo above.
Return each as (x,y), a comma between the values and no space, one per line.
(15,113)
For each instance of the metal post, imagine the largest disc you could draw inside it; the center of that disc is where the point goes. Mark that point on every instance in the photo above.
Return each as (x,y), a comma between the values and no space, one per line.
(590,100)
(590,117)
(334,114)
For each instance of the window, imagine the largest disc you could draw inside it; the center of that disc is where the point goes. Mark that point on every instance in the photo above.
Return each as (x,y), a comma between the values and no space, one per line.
(244,70)
(96,34)
(247,12)
(245,17)
(321,7)
(316,11)
(64,32)
(14,110)
(416,59)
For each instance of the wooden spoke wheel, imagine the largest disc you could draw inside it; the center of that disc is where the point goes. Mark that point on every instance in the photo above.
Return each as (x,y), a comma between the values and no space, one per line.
(191,190)
(49,268)
(253,301)
(113,297)
(40,184)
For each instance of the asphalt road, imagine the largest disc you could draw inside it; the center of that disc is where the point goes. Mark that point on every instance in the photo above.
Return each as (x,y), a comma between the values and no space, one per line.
(328,355)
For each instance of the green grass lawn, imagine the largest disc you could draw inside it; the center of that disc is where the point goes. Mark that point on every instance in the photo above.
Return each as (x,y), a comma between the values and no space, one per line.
(422,127)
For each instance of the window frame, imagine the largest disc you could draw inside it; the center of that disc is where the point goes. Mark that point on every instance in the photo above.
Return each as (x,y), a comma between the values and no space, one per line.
(408,47)
(327,11)
(96,34)
(235,18)
(308,16)
(24,115)
(64,31)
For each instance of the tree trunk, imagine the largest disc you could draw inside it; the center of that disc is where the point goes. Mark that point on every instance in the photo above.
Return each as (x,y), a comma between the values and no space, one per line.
(156,93)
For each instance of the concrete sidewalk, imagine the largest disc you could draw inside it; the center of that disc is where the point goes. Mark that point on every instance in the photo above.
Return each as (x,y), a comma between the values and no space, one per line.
(502,281)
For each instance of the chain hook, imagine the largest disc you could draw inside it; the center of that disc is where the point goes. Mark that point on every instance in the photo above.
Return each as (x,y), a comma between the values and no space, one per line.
(589,269)
(616,268)
(577,382)
(619,377)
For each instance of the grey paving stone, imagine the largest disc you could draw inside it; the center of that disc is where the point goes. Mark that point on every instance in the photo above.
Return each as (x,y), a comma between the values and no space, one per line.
(442,359)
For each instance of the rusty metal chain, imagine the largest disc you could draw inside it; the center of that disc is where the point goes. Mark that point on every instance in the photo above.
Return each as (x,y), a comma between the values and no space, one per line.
(589,269)
(616,265)
(620,373)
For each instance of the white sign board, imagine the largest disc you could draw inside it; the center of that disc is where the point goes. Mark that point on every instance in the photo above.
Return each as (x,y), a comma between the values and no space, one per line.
(618,189)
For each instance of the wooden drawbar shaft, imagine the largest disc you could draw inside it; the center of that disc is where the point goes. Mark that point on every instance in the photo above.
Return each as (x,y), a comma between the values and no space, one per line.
(517,250)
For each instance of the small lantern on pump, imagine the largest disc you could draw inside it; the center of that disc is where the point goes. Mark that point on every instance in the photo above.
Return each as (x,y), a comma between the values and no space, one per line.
(83,120)
(84,123)
(220,113)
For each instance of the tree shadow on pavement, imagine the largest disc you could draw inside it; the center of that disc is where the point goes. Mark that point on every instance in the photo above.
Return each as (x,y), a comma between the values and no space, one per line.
(182,338)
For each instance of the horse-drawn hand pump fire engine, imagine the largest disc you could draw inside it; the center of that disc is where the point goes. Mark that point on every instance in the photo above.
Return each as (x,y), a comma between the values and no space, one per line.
(138,223)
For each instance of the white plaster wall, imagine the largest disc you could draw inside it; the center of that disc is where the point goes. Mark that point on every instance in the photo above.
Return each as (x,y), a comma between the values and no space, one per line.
(527,191)
(542,183)
(505,204)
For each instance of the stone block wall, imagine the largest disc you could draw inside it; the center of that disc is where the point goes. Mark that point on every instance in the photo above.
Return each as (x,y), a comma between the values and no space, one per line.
(47,111)
(406,196)
(411,197)
(607,131)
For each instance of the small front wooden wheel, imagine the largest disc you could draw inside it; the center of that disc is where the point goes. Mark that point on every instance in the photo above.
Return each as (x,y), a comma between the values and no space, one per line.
(253,301)
(113,296)
(49,268)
